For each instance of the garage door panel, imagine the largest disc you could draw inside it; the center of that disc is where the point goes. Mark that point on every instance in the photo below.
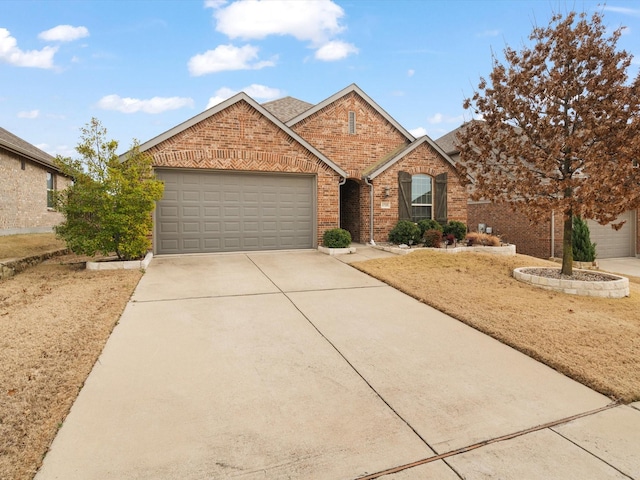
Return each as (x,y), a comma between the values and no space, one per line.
(612,243)
(231,211)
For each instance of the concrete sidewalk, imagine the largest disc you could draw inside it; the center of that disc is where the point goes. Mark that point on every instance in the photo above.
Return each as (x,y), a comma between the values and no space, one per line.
(295,365)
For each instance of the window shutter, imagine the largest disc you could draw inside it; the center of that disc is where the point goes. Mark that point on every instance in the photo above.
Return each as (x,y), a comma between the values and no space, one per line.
(441,198)
(404,196)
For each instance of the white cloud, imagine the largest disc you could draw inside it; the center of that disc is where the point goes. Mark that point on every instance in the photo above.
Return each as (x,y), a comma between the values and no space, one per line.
(488,33)
(418,132)
(625,11)
(313,20)
(64,33)
(255,91)
(335,50)
(153,105)
(227,57)
(440,118)
(10,53)
(410,72)
(29,114)
(214,3)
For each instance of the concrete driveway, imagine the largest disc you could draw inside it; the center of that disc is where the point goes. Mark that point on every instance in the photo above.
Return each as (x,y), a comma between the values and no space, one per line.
(294,365)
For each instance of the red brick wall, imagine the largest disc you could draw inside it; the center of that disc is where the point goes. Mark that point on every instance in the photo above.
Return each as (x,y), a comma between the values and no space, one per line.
(423,160)
(240,138)
(514,227)
(328,131)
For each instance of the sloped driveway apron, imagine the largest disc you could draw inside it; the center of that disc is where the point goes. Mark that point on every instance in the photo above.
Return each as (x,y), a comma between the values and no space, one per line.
(295,365)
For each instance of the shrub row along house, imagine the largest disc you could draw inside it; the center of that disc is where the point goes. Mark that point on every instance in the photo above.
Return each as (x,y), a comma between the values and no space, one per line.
(544,239)
(245,176)
(28,179)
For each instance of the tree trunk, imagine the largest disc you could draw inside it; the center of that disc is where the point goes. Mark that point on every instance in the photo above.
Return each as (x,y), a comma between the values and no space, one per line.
(567,244)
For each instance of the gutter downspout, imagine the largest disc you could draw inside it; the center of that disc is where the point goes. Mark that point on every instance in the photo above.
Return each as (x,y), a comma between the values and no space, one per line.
(368,182)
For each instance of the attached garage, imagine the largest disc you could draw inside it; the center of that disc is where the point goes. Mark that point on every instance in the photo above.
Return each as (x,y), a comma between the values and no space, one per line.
(220,211)
(612,243)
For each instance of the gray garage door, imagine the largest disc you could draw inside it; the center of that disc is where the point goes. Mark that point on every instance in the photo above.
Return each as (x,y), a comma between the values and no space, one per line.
(229,211)
(612,243)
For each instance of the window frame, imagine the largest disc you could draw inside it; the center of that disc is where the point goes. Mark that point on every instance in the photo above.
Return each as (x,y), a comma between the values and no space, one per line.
(51,188)
(430,193)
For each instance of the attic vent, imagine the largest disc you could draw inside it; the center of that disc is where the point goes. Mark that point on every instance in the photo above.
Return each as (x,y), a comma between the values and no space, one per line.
(23,165)
(352,122)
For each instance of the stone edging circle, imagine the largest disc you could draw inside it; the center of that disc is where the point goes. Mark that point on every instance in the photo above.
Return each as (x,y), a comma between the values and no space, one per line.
(616,288)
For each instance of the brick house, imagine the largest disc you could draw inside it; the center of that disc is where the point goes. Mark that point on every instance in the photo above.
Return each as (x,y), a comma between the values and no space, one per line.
(246,176)
(544,239)
(28,176)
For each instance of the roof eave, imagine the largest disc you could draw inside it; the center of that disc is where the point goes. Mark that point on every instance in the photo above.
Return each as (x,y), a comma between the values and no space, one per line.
(242,96)
(28,155)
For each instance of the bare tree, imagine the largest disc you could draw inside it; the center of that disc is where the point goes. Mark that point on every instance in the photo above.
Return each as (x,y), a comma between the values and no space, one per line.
(560,127)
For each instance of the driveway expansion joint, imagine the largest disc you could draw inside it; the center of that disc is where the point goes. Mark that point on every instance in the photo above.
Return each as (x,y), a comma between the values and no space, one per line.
(509,436)
(591,453)
(179,299)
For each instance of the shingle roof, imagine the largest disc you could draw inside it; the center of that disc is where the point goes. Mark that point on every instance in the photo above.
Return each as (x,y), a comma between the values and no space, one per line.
(15,144)
(284,109)
(448,142)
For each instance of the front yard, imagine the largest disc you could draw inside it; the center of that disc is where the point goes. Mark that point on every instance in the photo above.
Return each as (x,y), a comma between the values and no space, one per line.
(592,340)
(55,319)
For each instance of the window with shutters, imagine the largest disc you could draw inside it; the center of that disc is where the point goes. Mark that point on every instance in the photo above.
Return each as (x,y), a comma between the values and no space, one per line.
(421,197)
(352,122)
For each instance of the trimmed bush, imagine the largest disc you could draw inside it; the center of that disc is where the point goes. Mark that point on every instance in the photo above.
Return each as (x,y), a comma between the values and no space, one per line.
(428,224)
(336,238)
(432,238)
(484,239)
(455,228)
(583,249)
(406,232)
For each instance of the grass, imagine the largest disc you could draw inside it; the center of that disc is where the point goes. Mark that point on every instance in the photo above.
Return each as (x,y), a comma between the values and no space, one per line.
(20,246)
(592,340)
(54,321)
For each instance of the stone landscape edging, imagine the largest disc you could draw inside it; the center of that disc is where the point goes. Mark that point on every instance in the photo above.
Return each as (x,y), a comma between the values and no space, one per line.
(336,251)
(618,288)
(10,267)
(507,250)
(121,265)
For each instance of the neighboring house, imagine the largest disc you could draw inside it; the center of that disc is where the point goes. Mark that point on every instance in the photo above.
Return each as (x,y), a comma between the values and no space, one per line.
(544,239)
(246,176)
(28,178)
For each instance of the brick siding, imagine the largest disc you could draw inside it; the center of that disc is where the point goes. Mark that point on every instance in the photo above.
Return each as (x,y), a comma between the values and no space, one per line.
(23,196)
(514,227)
(328,131)
(422,160)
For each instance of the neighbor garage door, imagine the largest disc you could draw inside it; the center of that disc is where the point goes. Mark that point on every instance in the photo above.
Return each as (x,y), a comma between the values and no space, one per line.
(612,243)
(232,211)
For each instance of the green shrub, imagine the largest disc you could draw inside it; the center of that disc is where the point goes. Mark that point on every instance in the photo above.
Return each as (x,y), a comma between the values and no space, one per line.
(432,238)
(583,249)
(336,238)
(109,205)
(428,224)
(455,228)
(406,232)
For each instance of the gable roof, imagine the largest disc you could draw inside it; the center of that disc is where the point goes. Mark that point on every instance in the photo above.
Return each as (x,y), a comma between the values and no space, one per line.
(345,91)
(287,108)
(23,148)
(240,97)
(396,156)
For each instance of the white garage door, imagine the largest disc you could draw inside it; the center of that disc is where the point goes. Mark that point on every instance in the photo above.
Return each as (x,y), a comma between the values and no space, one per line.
(612,243)
(232,211)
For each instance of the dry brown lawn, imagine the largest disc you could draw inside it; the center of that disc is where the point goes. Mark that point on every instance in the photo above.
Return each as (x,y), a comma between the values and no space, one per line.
(20,246)
(594,341)
(54,321)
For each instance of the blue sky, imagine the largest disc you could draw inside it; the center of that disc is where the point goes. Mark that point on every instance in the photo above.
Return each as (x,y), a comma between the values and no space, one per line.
(142,67)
